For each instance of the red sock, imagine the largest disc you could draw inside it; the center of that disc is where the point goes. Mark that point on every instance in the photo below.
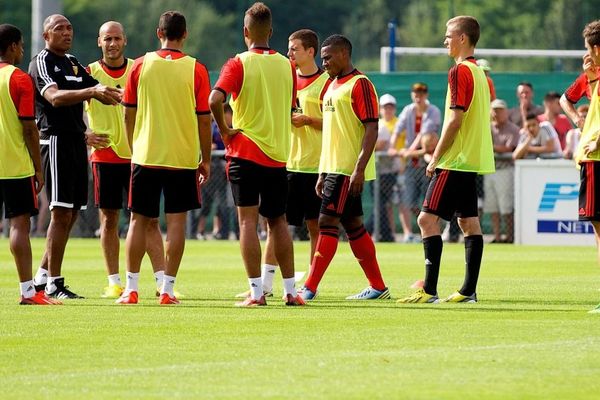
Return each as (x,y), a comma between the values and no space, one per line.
(326,247)
(364,250)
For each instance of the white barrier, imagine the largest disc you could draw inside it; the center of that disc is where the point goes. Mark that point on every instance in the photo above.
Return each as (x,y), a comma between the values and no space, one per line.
(547,203)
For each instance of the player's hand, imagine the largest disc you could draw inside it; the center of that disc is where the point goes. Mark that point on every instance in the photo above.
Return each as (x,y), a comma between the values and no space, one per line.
(357,181)
(589,68)
(39,181)
(319,186)
(97,140)
(204,172)
(579,122)
(299,120)
(392,152)
(227,134)
(590,147)
(431,167)
(107,95)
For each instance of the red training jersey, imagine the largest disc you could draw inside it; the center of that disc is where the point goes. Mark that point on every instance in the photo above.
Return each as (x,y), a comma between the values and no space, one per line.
(22,93)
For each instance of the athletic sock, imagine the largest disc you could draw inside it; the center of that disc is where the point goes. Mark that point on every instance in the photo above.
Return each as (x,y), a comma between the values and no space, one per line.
(289,286)
(41,276)
(363,249)
(114,280)
(473,255)
(132,282)
(256,291)
(159,277)
(167,286)
(268,273)
(50,285)
(27,289)
(327,243)
(432,247)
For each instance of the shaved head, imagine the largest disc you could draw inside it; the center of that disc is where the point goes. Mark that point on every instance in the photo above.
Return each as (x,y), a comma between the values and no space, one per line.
(112,26)
(54,19)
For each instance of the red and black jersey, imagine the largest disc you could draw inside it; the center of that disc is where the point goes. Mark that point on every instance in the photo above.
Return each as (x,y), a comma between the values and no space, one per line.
(364,98)
(22,93)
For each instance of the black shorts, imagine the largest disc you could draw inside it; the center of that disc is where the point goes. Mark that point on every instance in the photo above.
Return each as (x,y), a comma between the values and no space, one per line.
(255,185)
(589,191)
(65,163)
(452,193)
(180,187)
(18,196)
(337,200)
(111,181)
(303,202)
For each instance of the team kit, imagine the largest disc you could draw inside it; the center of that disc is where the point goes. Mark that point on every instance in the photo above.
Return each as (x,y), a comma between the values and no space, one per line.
(299,149)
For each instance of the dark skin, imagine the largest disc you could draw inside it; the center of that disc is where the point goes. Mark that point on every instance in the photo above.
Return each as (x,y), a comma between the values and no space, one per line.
(337,62)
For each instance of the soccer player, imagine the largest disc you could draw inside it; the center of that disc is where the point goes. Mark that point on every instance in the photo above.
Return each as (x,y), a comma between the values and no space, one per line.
(111,159)
(579,88)
(262,83)
(62,86)
(303,204)
(350,120)
(464,150)
(21,177)
(588,151)
(167,121)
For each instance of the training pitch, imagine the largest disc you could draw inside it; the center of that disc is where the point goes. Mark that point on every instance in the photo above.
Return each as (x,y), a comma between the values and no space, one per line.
(529,337)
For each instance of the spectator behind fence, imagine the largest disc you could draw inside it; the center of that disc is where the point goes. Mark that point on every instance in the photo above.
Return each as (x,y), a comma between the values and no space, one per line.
(498,187)
(573,136)
(388,168)
(215,190)
(538,139)
(518,114)
(552,113)
(418,117)
(486,68)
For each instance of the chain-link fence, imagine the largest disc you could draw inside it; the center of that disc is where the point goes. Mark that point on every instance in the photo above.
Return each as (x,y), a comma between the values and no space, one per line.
(391,205)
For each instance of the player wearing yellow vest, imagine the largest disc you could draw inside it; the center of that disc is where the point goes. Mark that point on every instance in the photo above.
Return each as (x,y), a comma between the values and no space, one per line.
(262,84)
(350,118)
(168,126)
(21,177)
(303,204)
(111,159)
(588,151)
(464,150)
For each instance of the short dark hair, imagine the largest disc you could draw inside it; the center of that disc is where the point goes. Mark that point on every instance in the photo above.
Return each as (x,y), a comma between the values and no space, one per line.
(172,24)
(9,34)
(259,19)
(552,96)
(591,33)
(531,116)
(308,39)
(338,41)
(525,83)
(467,25)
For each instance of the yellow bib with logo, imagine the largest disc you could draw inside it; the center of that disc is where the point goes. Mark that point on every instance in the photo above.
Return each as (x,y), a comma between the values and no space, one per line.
(305,150)
(15,161)
(108,120)
(166,126)
(262,109)
(343,132)
(472,149)
(591,129)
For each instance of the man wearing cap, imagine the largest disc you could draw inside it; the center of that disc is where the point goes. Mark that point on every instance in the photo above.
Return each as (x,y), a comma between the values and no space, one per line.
(499,193)
(417,118)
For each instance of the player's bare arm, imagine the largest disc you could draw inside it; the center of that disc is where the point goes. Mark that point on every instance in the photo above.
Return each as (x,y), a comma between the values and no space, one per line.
(215,102)
(357,180)
(205,135)
(130,113)
(31,136)
(447,138)
(104,94)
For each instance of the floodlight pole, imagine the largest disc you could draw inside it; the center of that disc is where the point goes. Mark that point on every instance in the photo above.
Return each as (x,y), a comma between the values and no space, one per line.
(392,31)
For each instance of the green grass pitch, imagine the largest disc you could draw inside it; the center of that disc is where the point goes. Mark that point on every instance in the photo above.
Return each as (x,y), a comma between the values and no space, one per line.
(529,337)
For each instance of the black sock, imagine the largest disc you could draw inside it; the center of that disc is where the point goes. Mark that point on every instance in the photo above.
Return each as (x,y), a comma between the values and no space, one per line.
(432,246)
(473,254)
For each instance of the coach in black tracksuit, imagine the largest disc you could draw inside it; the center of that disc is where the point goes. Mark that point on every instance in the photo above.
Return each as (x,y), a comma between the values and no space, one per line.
(62,85)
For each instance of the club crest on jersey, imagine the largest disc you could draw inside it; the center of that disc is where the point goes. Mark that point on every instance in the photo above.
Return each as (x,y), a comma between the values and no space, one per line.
(75,68)
(328,106)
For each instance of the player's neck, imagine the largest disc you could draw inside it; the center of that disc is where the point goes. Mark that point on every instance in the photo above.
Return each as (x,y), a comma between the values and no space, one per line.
(262,44)
(308,69)
(60,53)
(7,59)
(114,63)
(464,54)
(172,44)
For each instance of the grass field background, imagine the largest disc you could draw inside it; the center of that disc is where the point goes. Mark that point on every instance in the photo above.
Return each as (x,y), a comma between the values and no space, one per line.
(529,337)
